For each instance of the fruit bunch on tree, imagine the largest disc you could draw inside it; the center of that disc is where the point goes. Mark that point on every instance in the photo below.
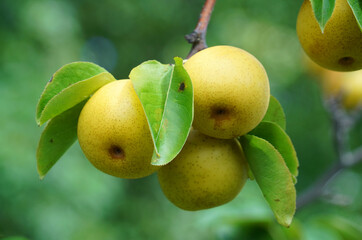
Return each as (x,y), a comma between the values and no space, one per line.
(206,124)
(330,32)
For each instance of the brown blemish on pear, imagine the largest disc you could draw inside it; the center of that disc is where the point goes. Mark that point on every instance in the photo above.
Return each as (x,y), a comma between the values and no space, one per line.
(346,61)
(220,114)
(116,152)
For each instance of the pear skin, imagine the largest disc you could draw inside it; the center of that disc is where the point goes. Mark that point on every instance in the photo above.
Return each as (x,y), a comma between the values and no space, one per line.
(113,132)
(339,47)
(208,172)
(231,91)
(348,84)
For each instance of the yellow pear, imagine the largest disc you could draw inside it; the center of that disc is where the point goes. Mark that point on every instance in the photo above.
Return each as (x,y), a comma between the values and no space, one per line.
(231,91)
(349,84)
(339,47)
(346,84)
(113,132)
(208,172)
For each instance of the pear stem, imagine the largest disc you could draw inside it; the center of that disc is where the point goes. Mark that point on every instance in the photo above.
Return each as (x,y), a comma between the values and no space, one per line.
(198,37)
(342,123)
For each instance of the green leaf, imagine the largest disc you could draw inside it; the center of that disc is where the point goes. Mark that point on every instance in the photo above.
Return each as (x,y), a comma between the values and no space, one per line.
(275,135)
(275,113)
(70,85)
(356,6)
(273,177)
(151,80)
(177,116)
(59,134)
(74,94)
(166,95)
(323,10)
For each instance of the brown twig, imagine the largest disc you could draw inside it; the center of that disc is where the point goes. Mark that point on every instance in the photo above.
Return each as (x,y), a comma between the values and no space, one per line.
(342,123)
(198,37)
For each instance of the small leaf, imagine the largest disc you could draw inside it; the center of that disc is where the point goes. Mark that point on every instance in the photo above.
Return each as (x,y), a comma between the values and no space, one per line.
(275,113)
(275,135)
(74,94)
(356,6)
(62,79)
(166,95)
(59,134)
(323,10)
(272,176)
(177,116)
(151,81)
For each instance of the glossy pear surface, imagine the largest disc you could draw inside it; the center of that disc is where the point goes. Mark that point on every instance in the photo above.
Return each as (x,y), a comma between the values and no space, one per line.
(113,132)
(208,172)
(231,91)
(339,47)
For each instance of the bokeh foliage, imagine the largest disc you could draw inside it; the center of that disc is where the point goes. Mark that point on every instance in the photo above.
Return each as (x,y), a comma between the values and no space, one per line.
(76,201)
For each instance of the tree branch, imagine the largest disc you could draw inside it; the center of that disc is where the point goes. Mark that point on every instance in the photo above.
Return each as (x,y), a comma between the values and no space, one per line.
(198,37)
(353,158)
(342,123)
(316,190)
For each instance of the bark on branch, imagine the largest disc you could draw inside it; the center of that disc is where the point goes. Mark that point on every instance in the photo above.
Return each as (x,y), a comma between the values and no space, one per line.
(198,37)
(342,123)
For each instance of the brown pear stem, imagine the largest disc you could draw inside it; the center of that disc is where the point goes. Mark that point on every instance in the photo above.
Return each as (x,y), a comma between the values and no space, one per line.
(198,37)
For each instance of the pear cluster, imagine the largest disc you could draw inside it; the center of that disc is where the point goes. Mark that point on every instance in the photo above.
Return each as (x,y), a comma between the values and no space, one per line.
(231,97)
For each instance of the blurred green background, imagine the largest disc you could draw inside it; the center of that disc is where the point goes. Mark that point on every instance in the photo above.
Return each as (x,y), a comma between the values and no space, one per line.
(76,201)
